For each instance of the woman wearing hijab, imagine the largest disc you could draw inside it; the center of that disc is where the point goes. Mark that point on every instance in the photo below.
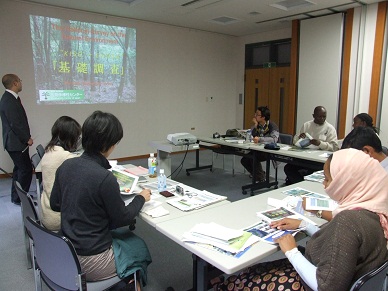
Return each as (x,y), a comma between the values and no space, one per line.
(352,244)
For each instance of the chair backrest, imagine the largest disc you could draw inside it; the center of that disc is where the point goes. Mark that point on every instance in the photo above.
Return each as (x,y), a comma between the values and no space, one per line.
(40,150)
(35,160)
(56,258)
(374,280)
(28,208)
(286,138)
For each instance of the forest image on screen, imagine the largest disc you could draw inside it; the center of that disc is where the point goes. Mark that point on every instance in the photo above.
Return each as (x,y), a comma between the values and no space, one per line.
(83,63)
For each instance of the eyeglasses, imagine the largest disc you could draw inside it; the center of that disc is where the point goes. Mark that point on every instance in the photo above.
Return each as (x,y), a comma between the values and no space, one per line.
(258,115)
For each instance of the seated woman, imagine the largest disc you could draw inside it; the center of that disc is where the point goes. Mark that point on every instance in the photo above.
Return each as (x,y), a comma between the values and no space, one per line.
(65,135)
(364,120)
(88,197)
(352,244)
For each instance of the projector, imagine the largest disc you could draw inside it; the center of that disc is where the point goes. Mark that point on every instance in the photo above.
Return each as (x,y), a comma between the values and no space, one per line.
(181,138)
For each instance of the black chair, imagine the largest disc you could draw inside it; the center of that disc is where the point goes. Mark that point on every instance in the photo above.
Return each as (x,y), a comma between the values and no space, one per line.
(35,160)
(57,262)
(374,280)
(40,150)
(28,210)
(286,138)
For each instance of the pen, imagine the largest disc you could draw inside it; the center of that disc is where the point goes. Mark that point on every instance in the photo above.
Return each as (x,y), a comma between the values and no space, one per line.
(25,149)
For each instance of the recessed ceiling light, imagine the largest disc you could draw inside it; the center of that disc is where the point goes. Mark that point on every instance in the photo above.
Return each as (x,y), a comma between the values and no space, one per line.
(288,5)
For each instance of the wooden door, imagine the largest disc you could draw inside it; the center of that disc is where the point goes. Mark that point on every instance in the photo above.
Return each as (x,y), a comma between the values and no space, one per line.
(278,102)
(256,92)
(267,87)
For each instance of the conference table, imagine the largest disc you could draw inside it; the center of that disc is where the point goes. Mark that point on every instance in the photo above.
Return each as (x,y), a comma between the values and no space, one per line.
(235,215)
(307,158)
(173,212)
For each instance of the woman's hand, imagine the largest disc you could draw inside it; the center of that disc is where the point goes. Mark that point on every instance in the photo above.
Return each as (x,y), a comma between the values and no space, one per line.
(286,242)
(146,193)
(256,139)
(286,223)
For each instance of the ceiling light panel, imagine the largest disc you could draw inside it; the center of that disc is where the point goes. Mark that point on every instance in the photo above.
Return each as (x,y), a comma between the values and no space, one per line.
(288,5)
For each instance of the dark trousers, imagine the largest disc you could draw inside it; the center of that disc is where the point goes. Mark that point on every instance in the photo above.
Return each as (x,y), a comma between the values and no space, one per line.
(22,172)
(247,162)
(295,173)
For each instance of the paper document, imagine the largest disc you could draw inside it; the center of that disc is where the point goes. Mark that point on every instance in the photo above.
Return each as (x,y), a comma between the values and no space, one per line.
(268,234)
(304,193)
(138,171)
(320,204)
(317,176)
(127,181)
(195,200)
(304,142)
(275,214)
(220,238)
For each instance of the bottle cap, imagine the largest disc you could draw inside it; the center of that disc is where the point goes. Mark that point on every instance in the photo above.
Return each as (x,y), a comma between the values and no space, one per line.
(161,171)
(151,155)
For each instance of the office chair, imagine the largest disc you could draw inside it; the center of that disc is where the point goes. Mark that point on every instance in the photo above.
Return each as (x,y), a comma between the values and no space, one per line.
(35,160)
(28,209)
(374,280)
(40,150)
(57,262)
(284,139)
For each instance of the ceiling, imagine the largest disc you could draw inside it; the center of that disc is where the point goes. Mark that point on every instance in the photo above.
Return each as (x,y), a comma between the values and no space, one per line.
(230,17)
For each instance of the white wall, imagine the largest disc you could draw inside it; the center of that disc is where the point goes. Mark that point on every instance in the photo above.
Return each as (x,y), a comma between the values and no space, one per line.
(177,69)
(319,67)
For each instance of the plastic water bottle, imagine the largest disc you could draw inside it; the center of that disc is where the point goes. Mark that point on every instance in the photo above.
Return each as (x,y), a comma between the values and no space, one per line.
(162,181)
(249,136)
(152,165)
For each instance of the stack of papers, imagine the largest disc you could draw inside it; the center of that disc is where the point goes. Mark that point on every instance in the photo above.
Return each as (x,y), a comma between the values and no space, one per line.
(220,238)
(195,200)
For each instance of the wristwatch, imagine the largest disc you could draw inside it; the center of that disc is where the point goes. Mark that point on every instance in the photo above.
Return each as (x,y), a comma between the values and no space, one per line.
(319,214)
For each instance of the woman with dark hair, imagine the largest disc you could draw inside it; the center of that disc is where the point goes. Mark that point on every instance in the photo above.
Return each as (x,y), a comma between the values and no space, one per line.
(365,120)
(352,244)
(65,135)
(88,197)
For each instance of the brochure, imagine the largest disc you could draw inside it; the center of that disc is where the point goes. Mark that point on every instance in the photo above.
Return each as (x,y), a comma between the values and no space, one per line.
(268,234)
(127,181)
(304,193)
(320,204)
(304,142)
(195,200)
(317,176)
(275,214)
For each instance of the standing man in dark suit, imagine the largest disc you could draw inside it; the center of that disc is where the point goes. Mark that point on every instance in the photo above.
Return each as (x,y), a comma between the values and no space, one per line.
(16,133)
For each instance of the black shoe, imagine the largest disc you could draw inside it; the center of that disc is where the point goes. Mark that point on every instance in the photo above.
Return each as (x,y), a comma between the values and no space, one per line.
(16,202)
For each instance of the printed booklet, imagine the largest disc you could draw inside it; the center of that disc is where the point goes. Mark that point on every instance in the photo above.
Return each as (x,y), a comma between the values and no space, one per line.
(264,231)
